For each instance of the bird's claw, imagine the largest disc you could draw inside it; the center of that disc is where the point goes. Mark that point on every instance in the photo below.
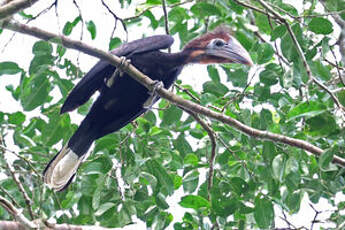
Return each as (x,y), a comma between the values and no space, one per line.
(119,71)
(153,94)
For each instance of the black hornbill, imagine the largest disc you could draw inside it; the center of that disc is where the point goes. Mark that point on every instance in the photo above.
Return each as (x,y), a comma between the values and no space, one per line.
(122,99)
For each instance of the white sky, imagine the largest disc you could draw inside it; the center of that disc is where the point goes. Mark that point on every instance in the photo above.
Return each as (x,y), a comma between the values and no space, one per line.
(19,51)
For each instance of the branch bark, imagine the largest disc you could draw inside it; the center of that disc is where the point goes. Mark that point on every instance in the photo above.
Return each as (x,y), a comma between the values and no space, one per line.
(14,7)
(149,84)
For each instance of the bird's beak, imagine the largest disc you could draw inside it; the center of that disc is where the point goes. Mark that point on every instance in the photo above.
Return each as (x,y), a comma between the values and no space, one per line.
(233,52)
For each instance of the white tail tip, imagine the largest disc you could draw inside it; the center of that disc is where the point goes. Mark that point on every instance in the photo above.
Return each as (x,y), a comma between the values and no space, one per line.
(62,168)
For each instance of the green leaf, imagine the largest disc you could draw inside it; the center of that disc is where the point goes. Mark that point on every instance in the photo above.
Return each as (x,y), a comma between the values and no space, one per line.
(57,128)
(67,29)
(215,88)
(114,43)
(178,14)
(320,26)
(263,212)
(204,9)
(191,159)
(16,118)
(182,145)
(278,167)
(320,70)
(238,185)
(307,109)
(171,116)
(238,78)
(161,174)
(262,92)
(100,165)
(177,182)
(191,181)
(195,202)
(262,22)
(288,48)
(213,73)
(91,27)
(278,32)
(9,68)
(36,92)
(160,201)
(151,17)
(293,201)
(271,74)
(265,53)
(326,158)
(322,125)
(42,48)
(103,208)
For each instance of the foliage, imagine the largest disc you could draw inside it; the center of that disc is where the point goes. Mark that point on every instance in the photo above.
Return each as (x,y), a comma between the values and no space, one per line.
(132,172)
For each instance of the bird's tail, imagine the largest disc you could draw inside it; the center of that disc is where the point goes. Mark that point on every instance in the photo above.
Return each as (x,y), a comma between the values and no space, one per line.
(60,171)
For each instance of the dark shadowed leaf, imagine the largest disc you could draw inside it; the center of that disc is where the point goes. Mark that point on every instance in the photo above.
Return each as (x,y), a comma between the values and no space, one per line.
(265,53)
(161,174)
(326,158)
(263,212)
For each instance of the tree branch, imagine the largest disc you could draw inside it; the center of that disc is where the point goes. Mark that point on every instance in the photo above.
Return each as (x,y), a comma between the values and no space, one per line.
(15,6)
(212,137)
(26,224)
(166,94)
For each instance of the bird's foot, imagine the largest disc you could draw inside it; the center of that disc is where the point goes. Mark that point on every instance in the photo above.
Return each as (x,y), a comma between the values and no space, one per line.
(153,94)
(119,71)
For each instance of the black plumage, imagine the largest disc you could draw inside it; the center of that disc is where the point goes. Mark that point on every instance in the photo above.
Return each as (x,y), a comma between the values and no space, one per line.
(122,102)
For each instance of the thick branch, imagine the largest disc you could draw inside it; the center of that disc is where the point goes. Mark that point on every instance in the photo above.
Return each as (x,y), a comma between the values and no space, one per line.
(15,6)
(149,84)
(23,221)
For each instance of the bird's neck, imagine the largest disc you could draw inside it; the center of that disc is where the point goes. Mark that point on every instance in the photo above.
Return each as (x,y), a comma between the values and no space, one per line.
(178,59)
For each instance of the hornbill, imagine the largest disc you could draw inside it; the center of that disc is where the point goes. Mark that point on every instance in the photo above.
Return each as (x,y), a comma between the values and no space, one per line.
(122,99)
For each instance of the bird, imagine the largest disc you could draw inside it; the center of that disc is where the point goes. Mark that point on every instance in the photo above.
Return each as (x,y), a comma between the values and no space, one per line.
(122,99)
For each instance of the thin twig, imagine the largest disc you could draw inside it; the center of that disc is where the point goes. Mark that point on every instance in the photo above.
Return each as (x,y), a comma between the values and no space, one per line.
(337,66)
(116,18)
(212,137)
(22,158)
(166,21)
(21,189)
(14,202)
(81,33)
(197,100)
(247,5)
(315,216)
(45,10)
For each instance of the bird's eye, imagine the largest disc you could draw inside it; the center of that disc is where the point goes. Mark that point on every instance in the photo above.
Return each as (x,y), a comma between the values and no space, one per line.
(219,43)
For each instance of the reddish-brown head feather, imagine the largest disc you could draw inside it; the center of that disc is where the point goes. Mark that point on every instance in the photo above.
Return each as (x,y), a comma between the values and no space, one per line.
(222,32)
(217,46)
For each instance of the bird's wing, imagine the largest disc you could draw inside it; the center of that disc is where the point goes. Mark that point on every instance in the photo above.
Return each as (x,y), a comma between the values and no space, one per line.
(94,79)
